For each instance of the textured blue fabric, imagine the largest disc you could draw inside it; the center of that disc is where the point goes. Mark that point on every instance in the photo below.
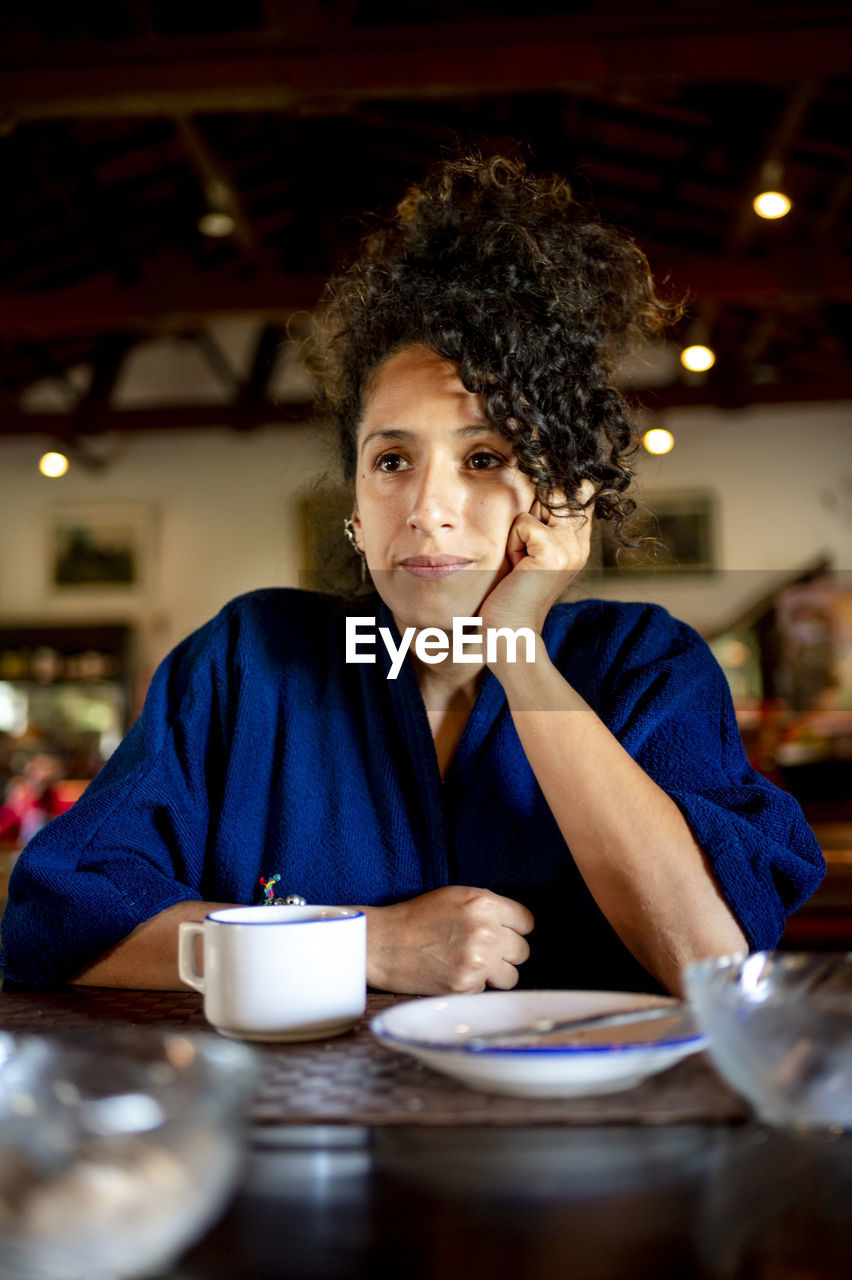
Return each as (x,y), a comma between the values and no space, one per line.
(260,750)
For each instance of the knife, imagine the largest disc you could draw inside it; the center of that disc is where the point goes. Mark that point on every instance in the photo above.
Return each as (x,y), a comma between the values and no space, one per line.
(548,1027)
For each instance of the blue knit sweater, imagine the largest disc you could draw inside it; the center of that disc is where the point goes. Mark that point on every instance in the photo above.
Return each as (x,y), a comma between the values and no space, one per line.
(260,751)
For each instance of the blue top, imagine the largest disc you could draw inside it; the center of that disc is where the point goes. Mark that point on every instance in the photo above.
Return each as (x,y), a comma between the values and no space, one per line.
(261,751)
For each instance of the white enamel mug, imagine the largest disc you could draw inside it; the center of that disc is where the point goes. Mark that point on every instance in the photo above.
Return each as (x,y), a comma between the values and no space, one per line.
(279,973)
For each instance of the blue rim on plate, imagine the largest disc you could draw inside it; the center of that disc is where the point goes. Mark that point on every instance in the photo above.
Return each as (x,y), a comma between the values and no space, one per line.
(567,1050)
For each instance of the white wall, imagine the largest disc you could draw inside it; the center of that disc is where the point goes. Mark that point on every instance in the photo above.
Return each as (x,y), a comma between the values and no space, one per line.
(782,476)
(227,517)
(226,520)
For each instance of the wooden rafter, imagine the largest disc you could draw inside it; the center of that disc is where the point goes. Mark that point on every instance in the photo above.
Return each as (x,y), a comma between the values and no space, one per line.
(165,305)
(218,185)
(240,415)
(247,414)
(266,71)
(794,277)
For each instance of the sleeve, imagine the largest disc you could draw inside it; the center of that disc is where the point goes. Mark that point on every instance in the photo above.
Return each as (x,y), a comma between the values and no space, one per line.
(672,710)
(135,841)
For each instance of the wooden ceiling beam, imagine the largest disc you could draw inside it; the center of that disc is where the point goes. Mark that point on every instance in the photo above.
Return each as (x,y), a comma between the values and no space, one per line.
(218,185)
(109,361)
(334,69)
(166,304)
(794,277)
(242,416)
(804,277)
(238,416)
(270,340)
(736,394)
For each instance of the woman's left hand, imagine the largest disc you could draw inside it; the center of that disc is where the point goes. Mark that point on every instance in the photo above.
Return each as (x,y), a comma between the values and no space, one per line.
(545,550)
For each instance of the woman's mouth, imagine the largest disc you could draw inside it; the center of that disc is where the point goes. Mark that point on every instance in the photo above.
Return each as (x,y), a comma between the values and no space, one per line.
(434,566)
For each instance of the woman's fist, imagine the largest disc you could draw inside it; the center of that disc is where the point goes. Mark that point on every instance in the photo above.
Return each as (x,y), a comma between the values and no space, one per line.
(545,550)
(455,939)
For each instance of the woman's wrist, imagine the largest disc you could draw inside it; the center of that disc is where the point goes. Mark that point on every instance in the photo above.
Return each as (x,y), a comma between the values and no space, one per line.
(525,671)
(376,976)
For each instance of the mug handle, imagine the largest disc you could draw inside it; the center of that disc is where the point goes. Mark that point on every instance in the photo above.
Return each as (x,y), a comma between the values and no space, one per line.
(188,931)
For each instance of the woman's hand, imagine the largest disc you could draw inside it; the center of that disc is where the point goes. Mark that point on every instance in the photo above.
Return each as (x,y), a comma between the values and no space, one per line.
(455,939)
(546,551)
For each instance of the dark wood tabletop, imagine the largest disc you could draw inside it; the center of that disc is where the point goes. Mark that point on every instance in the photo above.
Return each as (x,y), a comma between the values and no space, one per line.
(646,1189)
(354,1080)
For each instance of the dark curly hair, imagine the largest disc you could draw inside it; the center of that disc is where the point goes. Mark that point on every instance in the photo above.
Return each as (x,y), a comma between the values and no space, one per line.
(528,293)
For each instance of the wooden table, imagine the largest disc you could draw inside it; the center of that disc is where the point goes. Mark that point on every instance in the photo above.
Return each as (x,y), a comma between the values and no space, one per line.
(384,1169)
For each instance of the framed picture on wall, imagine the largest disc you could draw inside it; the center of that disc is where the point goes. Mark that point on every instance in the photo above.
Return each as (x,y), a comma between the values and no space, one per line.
(673,532)
(100,547)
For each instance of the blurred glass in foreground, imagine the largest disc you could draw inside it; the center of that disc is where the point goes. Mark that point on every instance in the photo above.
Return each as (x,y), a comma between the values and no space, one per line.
(779,1029)
(118,1148)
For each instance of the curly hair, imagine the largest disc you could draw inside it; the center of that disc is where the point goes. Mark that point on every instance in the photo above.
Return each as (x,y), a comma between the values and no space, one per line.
(528,294)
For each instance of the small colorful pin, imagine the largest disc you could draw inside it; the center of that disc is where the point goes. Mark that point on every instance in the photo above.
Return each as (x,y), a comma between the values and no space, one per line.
(268,887)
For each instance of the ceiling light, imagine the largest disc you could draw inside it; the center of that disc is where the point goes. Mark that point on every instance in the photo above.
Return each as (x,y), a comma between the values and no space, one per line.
(772,204)
(658,440)
(734,653)
(697,358)
(53,464)
(216,223)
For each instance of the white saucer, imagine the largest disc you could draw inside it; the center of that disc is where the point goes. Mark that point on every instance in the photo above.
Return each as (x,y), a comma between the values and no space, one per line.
(436,1029)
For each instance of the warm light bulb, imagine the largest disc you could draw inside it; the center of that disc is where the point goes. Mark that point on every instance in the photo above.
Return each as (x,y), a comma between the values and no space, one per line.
(772,204)
(53,464)
(697,359)
(734,653)
(216,223)
(658,440)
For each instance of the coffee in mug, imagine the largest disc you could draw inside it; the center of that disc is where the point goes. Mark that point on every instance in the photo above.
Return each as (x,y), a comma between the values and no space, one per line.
(279,973)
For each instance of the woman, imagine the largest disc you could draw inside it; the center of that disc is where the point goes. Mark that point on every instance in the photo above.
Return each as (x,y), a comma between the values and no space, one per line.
(582,815)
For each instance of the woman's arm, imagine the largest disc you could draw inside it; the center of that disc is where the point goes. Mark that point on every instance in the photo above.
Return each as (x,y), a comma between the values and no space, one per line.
(629,839)
(631,843)
(146,960)
(452,939)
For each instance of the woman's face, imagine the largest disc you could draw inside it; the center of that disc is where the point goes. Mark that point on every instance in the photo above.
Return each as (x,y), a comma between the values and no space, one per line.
(436,491)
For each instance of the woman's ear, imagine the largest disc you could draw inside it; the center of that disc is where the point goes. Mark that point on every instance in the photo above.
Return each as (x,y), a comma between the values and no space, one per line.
(356,527)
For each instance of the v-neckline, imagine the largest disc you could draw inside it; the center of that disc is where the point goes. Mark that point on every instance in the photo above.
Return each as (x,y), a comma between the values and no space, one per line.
(410,707)
(438,801)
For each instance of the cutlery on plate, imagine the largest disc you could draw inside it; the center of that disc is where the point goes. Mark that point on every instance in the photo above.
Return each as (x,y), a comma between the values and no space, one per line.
(546,1028)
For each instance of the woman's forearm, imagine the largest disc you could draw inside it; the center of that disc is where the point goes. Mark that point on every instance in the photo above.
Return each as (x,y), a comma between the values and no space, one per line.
(454,938)
(147,958)
(631,843)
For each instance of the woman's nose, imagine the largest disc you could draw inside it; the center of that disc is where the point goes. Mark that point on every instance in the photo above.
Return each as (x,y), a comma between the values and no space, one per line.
(436,499)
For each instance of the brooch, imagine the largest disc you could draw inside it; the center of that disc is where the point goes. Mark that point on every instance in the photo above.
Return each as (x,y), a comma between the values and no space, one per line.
(268,887)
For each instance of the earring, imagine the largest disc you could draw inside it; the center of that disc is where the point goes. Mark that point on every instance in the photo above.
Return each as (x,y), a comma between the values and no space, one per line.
(349,535)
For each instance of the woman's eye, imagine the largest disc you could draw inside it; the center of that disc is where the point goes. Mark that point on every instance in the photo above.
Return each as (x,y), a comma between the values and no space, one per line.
(483,460)
(389,462)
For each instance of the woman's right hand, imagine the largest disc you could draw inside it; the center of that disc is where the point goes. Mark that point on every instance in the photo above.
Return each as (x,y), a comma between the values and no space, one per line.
(455,939)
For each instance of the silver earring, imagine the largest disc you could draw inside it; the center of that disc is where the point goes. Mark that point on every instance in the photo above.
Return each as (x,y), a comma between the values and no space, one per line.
(349,535)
